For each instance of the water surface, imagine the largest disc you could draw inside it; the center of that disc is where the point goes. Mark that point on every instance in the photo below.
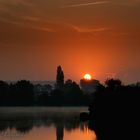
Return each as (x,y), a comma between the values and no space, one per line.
(41,123)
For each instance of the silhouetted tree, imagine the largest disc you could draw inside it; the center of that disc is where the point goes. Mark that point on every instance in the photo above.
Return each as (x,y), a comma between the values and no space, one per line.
(25,92)
(113,83)
(59,77)
(48,88)
(4,93)
(115,109)
(43,99)
(72,93)
(57,97)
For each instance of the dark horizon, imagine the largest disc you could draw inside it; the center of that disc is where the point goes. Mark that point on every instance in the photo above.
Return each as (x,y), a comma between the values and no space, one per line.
(42,82)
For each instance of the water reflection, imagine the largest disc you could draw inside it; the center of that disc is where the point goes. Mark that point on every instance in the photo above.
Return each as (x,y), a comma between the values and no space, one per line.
(60,131)
(47,125)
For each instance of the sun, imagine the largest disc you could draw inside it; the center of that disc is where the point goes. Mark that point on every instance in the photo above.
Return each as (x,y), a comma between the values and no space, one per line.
(87,77)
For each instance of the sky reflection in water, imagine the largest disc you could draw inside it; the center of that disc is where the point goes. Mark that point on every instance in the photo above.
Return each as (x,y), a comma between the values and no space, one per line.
(43,124)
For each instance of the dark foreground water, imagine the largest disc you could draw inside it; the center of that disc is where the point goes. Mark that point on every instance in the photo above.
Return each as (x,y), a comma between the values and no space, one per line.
(44,124)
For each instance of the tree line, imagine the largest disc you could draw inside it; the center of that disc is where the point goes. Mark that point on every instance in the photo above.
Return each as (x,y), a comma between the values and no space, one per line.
(114,111)
(66,93)
(23,93)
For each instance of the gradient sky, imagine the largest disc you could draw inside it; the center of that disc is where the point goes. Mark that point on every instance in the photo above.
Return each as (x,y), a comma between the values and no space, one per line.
(100,37)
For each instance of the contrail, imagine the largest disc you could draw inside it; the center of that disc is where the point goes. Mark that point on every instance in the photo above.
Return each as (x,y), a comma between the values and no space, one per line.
(28,26)
(87,30)
(86,4)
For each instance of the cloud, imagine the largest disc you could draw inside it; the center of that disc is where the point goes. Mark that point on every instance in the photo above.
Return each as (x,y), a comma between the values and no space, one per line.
(17,7)
(88,30)
(31,18)
(86,4)
(35,19)
(41,28)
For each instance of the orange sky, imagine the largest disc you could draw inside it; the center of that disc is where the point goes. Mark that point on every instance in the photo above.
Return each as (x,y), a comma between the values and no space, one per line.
(99,37)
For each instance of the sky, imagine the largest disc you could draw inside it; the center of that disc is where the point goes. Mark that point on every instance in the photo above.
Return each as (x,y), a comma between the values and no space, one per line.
(99,37)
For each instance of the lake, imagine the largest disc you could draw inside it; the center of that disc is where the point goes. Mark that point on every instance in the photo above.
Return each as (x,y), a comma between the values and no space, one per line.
(44,123)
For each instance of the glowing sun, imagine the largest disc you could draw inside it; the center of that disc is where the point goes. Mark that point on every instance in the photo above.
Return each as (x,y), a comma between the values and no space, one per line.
(87,77)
